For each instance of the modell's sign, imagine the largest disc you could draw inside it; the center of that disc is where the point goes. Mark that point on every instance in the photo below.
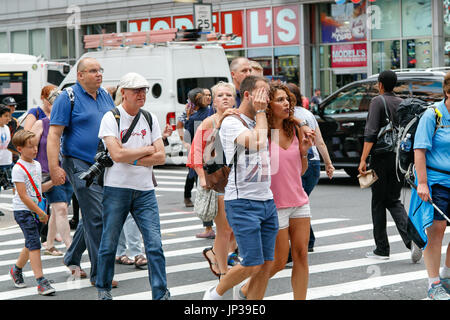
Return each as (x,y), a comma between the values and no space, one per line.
(349,55)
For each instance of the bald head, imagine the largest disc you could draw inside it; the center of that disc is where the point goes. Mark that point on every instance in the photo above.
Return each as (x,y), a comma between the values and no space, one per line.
(240,68)
(84,62)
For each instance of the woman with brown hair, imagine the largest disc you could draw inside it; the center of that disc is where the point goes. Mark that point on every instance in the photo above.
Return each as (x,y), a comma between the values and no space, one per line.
(288,161)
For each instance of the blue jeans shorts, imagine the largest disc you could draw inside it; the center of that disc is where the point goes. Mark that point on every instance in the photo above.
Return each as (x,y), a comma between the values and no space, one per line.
(62,193)
(255,226)
(441,198)
(30,229)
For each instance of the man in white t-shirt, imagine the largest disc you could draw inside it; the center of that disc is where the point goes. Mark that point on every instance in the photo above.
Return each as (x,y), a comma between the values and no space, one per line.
(128,186)
(249,203)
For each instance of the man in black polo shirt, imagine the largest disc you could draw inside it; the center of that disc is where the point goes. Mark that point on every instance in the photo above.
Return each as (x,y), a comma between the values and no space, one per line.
(386,190)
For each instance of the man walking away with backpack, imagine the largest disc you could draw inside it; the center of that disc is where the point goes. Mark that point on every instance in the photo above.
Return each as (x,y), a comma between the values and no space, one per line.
(386,190)
(135,146)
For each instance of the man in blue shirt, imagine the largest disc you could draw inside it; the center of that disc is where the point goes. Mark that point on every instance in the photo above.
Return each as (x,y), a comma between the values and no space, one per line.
(79,131)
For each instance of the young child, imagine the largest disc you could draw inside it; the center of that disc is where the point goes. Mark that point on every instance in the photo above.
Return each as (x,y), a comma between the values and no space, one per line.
(5,154)
(25,206)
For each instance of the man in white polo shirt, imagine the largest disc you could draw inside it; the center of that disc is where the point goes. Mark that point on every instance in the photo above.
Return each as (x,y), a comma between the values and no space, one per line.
(128,185)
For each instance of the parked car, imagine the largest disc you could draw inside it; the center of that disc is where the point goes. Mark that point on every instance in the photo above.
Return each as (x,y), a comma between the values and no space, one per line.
(342,115)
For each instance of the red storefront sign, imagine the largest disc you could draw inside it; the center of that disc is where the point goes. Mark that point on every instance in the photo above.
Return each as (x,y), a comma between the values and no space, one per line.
(233,22)
(161,23)
(215,22)
(259,27)
(286,25)
(139,25)
(349,55)
(184,22)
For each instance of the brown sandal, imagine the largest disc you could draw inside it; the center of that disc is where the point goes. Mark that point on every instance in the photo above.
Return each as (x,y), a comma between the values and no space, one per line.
(211,264)
(124,260)
(140,262)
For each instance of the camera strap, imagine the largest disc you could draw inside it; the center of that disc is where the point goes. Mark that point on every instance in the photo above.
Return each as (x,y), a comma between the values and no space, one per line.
(127,135)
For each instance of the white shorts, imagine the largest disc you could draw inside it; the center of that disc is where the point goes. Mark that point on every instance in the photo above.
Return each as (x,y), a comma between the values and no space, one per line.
(292,213)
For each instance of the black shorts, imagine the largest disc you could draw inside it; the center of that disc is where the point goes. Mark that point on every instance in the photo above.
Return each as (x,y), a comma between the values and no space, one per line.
(441,198)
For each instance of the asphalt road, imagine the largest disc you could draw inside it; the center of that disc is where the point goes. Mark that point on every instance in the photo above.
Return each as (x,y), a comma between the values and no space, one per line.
(338,267)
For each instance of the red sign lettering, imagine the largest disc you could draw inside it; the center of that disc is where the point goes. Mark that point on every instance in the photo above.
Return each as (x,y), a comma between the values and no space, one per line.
(349,55)
(286,25)
(161,23)
(233,22)
(259,27)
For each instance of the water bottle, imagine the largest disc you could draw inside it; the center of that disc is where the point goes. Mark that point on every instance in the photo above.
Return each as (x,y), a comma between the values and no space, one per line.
(406,143)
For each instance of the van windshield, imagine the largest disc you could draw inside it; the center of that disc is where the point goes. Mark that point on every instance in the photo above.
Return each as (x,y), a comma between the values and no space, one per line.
(185,85)
(14,84)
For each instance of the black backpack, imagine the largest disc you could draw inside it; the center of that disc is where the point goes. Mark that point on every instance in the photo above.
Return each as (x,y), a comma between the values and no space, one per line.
(409,113)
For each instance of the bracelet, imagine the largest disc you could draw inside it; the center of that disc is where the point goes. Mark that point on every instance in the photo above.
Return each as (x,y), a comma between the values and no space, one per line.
(305,156)
(259,111)
(134,163)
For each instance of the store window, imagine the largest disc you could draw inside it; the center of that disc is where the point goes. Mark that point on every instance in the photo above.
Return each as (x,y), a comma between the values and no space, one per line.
(416,18)
(19,42)
(343,22)
(389,20)
(385,55)
(37,42)
(447,32)
(232,54)
(3,42)
(62,44)
(286,62)
(417,53)
(264,57)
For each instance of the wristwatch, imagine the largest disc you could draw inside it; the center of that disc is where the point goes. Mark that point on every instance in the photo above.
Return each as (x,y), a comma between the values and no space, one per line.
(303,123)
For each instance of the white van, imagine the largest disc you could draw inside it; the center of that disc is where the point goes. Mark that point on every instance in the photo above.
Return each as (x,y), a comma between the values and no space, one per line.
(172,69)
(23,76)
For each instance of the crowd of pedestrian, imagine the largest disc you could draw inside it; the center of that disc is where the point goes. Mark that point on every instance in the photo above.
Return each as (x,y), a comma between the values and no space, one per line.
(272,144)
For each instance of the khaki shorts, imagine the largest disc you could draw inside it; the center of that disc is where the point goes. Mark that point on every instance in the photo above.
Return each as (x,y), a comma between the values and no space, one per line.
(292,213)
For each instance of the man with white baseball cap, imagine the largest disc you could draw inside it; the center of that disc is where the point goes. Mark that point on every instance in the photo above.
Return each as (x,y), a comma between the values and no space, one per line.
(128,185)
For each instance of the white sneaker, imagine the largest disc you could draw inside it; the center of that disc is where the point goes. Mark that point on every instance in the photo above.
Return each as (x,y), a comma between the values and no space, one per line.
(207,295)
(373,255)
(237,293)
(416,253)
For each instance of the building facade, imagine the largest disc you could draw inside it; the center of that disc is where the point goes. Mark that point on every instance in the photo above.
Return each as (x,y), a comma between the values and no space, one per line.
(318,44)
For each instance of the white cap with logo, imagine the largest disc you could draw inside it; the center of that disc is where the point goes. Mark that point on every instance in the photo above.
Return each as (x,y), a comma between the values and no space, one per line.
(133,80)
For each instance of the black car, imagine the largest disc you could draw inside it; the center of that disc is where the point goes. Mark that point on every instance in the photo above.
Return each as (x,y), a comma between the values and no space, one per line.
(342,115)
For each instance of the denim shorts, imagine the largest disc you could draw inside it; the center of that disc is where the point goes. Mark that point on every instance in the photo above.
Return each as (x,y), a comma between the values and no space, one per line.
(30,229)
(255,226)
(62,193)
(441,198)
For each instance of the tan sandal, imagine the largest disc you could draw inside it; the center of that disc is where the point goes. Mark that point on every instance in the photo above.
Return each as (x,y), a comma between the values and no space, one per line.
(124,260)
(140,262)
(53,252)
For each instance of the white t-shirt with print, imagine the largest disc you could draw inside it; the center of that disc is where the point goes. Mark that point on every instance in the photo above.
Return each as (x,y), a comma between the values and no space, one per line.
(308,116)
(19,175)
(5,138)
(124,175)
(253,167)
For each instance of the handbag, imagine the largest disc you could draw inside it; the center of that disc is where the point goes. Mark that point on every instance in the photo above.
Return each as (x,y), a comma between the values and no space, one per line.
(42,201)
(366,180)
(205,204)
(387,137)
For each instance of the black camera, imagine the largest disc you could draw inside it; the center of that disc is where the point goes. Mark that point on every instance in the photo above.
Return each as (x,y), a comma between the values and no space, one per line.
(5,179)
(102,161)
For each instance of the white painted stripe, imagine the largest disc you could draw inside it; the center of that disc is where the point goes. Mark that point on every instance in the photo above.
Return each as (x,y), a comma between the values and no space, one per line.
(158,177)
(183,171)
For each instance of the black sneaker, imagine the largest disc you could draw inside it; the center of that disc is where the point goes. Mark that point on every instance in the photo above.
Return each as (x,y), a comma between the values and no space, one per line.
(17,278)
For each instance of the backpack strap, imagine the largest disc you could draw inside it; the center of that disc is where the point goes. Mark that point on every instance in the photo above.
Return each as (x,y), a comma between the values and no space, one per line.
(146,115)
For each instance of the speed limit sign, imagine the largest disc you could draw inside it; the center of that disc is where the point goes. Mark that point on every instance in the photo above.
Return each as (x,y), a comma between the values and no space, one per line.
(203,16)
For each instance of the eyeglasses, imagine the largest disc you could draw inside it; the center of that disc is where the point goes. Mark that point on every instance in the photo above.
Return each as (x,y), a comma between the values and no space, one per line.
(139,90)
(94,71)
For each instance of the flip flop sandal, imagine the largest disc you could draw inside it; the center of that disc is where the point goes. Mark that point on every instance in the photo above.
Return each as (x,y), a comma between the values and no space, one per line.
(140,262)
(124,260)
(53,252)
(211,264)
